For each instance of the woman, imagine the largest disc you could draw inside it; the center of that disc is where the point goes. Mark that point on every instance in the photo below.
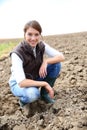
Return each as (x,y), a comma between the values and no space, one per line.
(30,71)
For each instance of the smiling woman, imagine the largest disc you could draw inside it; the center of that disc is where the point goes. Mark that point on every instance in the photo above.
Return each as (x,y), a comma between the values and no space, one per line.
(30,70)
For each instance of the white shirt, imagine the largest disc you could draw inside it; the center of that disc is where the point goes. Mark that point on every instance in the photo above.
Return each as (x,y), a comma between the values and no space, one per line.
(17,64)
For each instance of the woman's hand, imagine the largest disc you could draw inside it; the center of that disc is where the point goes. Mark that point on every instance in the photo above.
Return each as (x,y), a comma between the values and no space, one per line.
(43,70)
(50,90)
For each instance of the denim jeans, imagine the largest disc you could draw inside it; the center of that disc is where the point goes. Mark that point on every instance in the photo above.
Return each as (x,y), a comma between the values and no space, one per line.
(31,94)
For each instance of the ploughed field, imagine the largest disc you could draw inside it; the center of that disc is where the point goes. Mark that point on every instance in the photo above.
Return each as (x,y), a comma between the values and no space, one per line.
(69,112)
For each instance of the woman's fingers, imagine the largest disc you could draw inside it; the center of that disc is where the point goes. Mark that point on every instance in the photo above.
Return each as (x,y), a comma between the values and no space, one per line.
(43,73)
(50,90)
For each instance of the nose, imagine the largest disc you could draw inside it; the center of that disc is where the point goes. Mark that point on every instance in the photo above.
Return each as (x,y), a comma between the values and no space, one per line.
(33,37)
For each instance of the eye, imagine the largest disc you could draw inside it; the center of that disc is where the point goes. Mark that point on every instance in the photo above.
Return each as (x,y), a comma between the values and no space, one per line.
(36,34)
(30,34)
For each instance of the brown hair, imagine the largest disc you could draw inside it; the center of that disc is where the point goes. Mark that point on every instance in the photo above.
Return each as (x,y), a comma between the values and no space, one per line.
(34,24)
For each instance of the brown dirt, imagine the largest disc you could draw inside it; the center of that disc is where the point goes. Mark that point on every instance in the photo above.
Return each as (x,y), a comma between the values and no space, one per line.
(69,112)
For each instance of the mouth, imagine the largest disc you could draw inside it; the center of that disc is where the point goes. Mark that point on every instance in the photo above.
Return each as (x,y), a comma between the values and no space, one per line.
(33,43)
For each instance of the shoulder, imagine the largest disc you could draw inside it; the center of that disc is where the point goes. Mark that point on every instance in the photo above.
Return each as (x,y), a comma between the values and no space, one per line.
(41,45)
(15,57)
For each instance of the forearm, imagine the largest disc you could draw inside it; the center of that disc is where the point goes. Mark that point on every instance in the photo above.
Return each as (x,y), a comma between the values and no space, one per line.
(55,59)
(30,83)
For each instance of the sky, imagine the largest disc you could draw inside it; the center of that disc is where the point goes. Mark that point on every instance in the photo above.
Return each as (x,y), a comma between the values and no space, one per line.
(54,16)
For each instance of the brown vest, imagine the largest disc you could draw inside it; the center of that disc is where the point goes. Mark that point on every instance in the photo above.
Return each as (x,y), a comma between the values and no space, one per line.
(31,64)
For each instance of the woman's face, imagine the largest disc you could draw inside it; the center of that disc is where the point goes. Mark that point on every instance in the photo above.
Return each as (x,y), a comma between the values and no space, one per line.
(32,36)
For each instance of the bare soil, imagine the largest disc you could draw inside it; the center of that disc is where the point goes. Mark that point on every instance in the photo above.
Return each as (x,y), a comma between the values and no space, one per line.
(69,112)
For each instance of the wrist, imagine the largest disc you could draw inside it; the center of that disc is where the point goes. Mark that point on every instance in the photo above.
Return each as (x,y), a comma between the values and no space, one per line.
(45,83)
(45,61)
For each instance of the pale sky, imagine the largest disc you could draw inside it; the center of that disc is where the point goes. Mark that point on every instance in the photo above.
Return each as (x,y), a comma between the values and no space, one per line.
(55,16)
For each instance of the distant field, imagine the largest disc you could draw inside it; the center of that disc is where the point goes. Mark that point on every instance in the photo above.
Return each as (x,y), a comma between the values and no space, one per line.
(6,45)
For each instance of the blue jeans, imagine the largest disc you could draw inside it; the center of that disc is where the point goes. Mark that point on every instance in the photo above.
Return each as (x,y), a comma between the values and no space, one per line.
(31,94)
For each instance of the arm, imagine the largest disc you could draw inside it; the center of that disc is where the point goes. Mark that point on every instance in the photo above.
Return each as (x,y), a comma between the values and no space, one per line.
(29,82)
(54,57)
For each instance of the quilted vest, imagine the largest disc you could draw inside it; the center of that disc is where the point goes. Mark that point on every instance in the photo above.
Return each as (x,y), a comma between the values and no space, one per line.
(31,64)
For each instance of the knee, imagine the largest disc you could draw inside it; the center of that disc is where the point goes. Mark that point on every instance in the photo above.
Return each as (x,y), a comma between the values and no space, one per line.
(58,67)
(53,70)
(33,94)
